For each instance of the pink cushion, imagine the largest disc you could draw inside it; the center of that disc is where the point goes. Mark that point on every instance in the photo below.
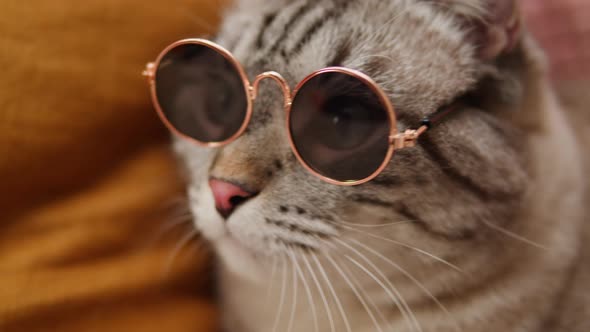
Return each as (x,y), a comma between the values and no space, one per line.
(563,29)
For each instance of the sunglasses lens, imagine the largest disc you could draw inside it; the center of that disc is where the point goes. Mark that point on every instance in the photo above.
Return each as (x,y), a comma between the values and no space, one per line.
(201,93)
(340,127)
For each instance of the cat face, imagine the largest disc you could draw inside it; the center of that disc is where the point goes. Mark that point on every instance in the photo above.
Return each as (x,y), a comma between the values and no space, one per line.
(465,173)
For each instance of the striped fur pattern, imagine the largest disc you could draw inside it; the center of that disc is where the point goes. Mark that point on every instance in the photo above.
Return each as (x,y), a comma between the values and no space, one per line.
(477,229)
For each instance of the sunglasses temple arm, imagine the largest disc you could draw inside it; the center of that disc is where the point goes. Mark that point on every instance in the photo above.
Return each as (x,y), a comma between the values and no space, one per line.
(438,116)
(409,138)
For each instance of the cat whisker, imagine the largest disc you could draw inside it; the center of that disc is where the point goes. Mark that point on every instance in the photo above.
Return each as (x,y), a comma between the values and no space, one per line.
(177,214)
(515,236)
(353,279)
(322,294)
(270,286)
(178,208)
(295,291)
(331,288)
(180,212)
(355,291)
(380,283)
(396,296)
(407,246)
(412,278)
(307,291)
(282,296)
(179,202)
(405,222)
(178,248)
(166,227)
(364,292)
(172,223)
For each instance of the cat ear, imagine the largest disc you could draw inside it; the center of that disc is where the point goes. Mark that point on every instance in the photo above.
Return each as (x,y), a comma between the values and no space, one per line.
(501,29)
(494,25)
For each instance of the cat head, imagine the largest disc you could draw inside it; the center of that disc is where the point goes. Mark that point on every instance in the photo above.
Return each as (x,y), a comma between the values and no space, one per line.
(465,173)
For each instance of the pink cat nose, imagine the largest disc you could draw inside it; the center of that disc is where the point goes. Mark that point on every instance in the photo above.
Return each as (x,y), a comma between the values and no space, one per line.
(228,196)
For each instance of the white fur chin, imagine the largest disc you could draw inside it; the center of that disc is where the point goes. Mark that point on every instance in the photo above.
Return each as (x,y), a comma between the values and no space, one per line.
(238,259)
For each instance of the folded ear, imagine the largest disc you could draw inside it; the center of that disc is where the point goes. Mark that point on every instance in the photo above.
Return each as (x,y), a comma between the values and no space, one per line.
(501,29)
(493,25)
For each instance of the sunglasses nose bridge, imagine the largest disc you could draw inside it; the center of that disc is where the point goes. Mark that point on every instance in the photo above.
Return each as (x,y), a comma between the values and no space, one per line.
(279,79)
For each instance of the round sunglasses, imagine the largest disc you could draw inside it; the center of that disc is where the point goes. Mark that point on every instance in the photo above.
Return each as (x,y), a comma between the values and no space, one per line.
(342,126)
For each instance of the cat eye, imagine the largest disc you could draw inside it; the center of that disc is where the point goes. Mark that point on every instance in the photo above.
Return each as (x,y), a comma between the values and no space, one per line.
(342,126)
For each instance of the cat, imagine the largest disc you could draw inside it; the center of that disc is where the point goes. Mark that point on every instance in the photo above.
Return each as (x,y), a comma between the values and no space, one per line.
(479,228)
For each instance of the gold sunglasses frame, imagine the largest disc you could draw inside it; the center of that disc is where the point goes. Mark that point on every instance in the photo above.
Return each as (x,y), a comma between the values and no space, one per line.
(396,140)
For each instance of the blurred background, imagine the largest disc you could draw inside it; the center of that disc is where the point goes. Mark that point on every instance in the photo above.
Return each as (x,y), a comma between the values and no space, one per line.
(91,211)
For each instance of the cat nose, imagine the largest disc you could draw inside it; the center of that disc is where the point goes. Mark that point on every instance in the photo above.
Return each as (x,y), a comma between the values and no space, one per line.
(228,196)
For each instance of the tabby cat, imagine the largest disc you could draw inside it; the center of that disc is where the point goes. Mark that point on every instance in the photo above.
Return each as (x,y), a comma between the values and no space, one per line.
(478,229)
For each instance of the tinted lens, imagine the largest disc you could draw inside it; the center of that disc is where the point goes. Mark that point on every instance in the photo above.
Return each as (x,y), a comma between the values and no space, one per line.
(201,93)
(340,127)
